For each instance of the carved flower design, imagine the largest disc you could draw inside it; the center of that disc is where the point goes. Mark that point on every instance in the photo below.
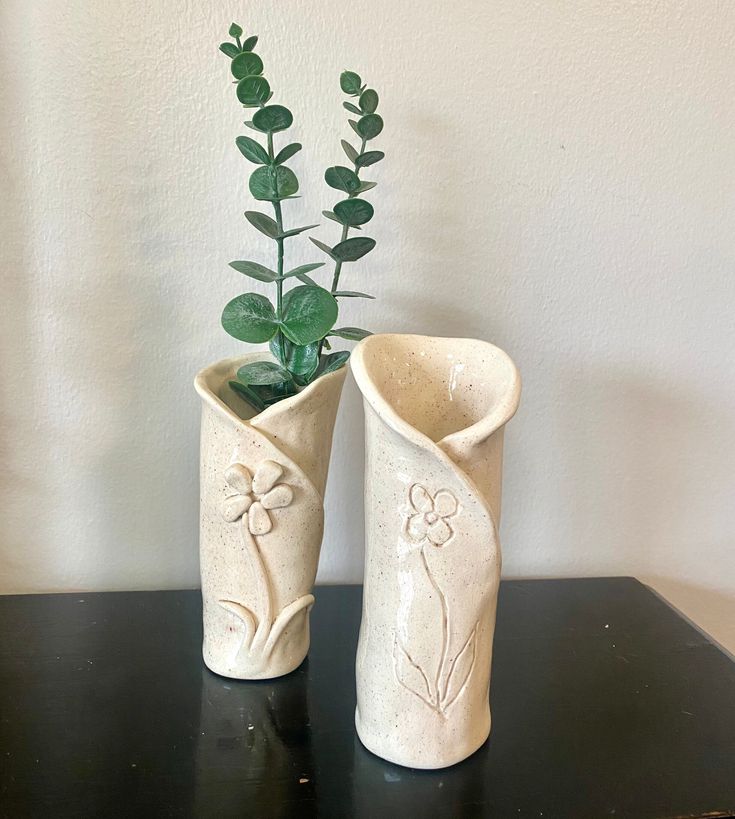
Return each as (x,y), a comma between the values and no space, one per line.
(255,494)
(429,518)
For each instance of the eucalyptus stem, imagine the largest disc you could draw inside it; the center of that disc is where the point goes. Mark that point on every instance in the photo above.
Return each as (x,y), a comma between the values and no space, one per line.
(345,231)
(279,267)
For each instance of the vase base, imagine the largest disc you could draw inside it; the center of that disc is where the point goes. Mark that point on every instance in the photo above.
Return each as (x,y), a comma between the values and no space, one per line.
(421,760)
(270,671)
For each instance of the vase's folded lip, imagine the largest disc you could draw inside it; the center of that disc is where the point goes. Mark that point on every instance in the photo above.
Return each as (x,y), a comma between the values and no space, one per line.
(226,365)
(481,429)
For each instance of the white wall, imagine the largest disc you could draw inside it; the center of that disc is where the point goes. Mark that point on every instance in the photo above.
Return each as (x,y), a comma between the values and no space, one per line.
(560,181)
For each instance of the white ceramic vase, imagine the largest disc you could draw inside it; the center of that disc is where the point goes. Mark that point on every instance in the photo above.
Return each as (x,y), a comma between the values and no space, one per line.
(435,411)
(262,487)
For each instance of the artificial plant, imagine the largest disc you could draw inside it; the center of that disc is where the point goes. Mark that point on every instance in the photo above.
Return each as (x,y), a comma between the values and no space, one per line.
(303,318)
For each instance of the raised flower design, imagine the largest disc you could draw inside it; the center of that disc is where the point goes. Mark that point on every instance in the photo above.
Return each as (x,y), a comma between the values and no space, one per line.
(255,494)
(428,521)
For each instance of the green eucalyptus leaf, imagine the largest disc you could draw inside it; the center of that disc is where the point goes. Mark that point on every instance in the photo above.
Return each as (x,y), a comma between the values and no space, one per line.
(353,212)
(246,64)
(332,362)
(353,249)
(308,314)
(249,44)
(349,150)
(350,83)
(262,223)
(333,216)
(273,184)
(341,178)
(286,153)
(249,395)
(353,109)
(303,269)
(272,118)
(235,30)
(252,150)
(300,361)
(351,333)
(253,91)
(370,126)
(351,294)
(296,231)
(369,101)
(323,247)
(255,271)
(304,360)
(230,49)
(250,317)
(369,158)
(354,127)
(302,277)
(366,186)
(263,372)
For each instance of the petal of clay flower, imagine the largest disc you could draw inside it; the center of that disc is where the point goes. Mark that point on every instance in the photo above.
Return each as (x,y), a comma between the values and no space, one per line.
(266,475)
(238,477)
(445,504)
(439,532)
(421,499)
(280,496)
(235,507)
(417,527)
(259,521)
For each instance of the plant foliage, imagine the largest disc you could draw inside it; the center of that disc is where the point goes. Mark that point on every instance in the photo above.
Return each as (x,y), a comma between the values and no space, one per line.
(297,326)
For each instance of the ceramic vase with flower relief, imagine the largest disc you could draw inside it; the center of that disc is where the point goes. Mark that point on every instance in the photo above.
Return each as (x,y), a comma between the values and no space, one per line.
(435,413)
(262,482)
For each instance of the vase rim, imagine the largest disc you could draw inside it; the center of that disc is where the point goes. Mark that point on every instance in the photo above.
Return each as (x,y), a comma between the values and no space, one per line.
(220,369)
(495,418)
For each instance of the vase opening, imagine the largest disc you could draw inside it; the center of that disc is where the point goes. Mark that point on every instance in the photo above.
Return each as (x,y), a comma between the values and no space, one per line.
(438,385)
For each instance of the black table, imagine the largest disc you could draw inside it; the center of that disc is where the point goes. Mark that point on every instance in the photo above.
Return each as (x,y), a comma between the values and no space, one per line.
(605,703)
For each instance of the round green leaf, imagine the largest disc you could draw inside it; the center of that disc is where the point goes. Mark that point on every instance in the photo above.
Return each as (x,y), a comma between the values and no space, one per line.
(263,372)
(353,249)
(252,91)
(255,271)
(370,126)
(369,101)
(252,150)
(272,118)
(246,64)
(354,212)
(350,83)
(235,30)
(273,184)
(368,158)
(286,153)
(250,317)
(309,314)
(341,178)
(249,44)
(230,49)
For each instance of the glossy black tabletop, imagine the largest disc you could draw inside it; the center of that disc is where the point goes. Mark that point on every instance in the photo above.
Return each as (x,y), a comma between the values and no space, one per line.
(605,703)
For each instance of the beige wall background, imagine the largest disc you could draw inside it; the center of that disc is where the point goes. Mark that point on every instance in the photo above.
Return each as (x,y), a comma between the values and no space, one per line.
(560,180)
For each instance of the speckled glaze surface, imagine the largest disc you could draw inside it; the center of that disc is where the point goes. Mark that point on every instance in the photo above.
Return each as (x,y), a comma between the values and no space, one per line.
(262,485)
(435,410)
